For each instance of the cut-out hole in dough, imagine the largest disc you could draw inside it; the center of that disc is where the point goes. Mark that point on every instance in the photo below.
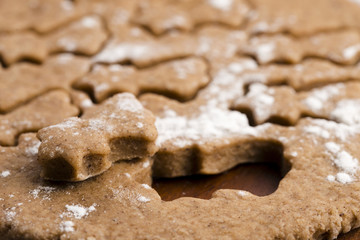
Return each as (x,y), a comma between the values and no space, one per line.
(261,178)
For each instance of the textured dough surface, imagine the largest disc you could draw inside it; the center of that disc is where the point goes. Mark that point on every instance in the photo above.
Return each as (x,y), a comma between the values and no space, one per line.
(228,81)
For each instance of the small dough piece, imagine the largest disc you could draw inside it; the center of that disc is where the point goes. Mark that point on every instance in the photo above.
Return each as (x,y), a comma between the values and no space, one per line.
(84,36)
(306,75)
(22,82)
(163,15)
(47,109)
(41,15)
(16,46)
(142,49)
(180,79)
(281,104)
(341,46)
(275,104)
(303,17)
(79,148)
(337,102)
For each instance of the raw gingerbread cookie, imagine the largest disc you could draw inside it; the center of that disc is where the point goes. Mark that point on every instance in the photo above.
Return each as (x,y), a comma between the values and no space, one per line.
(337,102)
(270,104)
(179,79)
(164,15)
(303,17)
(41,15)
(24,81)
(79,148)
(341,46)
(47,109)
(133,44)
(84,36)
(282,105)
(22,45)
(306,75)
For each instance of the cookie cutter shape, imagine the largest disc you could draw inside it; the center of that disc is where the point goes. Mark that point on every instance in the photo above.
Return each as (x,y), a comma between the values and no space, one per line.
(340,46)
(79,148)
(302,17)
(45,110)
(179,79)
(22,82)
(161,16)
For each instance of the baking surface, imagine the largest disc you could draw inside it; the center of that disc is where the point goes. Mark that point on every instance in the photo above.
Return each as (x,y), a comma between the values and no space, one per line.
(260,179)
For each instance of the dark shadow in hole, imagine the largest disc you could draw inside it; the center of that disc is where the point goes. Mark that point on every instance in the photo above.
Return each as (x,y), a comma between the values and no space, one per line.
(261,178)
(352,235)
(2,62)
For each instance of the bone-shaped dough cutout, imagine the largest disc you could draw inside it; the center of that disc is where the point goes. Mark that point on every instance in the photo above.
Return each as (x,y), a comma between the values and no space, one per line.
(79,148)
(85,36)
(45,110)
(342,46)
(180,79)
(24,81)
(161,16)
